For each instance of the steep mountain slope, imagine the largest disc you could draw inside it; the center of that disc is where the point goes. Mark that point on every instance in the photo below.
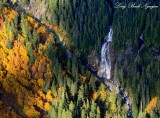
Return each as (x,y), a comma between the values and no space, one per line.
(136,47)
(36,77)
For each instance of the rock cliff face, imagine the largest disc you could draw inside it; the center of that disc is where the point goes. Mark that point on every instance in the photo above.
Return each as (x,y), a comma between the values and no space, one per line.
(93,61)
(38,9)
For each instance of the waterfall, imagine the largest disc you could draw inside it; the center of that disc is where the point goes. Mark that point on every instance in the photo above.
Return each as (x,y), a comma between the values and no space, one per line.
(105,64)
(105,72)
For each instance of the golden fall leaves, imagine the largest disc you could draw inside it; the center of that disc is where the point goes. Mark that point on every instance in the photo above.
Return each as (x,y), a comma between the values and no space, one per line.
(47,106)
(3,32)
(49,96)
(42,32)
(41,67)
(18,61)
(44,101)
(151,105)
(41,82)
(95,96)
(10,13)
(32,113)
(17,75)
(102,94)
(32,22)
(62,33)
(14,64)
(7,14)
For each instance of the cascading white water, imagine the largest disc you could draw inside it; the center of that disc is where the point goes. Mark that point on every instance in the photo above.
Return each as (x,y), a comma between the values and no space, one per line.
(105,64)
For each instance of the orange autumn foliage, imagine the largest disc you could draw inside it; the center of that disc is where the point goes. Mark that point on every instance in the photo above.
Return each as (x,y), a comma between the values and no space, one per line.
(40,69)
(40,104)
(3,31)
(10,13)
(62,33)
(49,96)
(103,95)
(32,22)
(18,60)
(32,113)
(41,94)
(17,76)
(56,28)
(41,82)
(95,96)
(151,105)
(42,97)
(30,100)
(42,32)
(50,26)
(15,63)
(47,106)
